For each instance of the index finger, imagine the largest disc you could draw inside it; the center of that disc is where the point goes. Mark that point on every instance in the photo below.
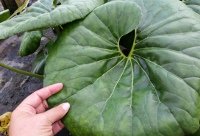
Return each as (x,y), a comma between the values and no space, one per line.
(36,98)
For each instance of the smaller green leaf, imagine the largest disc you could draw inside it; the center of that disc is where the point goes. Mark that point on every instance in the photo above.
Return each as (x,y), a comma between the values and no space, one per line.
(42,14)
(4,15)
(40,60)
(30,42)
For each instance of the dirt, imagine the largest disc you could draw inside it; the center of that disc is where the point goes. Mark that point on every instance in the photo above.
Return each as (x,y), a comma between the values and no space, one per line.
(15,87)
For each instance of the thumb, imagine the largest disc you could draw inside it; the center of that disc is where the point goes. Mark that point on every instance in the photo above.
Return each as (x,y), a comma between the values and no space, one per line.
(57,113)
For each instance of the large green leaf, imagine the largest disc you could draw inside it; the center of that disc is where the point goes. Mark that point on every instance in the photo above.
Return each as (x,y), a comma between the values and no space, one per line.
(194,4)
(152,91)
(42,14)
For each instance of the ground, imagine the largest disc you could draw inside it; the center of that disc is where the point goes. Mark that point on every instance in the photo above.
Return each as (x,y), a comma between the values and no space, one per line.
(14,87)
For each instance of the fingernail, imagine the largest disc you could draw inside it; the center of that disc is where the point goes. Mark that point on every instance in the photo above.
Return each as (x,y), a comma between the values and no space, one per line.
(66,106)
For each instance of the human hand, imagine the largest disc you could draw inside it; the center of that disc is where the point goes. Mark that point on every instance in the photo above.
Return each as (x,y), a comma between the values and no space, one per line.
(30,117)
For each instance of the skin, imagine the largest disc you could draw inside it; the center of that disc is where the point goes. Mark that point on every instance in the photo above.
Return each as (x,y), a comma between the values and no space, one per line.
(31,118)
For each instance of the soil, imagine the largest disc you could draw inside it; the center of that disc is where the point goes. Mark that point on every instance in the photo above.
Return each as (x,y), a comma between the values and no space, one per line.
(15,87)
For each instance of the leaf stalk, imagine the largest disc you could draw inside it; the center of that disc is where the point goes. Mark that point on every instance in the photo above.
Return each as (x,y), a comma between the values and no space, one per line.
(134,43)
(21,71)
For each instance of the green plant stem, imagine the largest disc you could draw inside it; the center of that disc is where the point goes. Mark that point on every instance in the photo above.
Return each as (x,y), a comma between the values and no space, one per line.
(133,47)
(21,71)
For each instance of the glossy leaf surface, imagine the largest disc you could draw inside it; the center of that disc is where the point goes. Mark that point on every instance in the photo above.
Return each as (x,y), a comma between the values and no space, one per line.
(30,42)
(152,91)
(42,14)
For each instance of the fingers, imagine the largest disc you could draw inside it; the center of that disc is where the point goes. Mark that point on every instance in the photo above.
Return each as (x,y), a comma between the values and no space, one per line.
(56,127)
(35,99)
(57,113)
(42,107)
